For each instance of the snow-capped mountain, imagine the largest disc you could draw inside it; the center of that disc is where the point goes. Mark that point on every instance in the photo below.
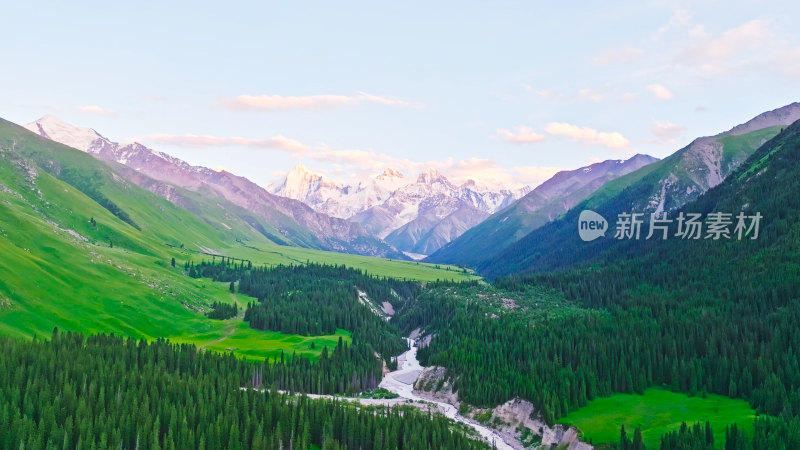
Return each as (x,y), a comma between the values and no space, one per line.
(412,213)
(161,173)
(54,129)
(333,198)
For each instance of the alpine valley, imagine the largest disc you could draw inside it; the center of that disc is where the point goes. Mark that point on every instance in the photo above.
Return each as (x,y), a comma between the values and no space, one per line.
(563,344)
(282,220)
(506,225)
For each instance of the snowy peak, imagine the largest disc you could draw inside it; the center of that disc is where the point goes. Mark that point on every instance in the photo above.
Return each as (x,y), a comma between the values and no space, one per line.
(55,129)
(430,176)
(387,202)
(389,173)
(301,183)
(300,170)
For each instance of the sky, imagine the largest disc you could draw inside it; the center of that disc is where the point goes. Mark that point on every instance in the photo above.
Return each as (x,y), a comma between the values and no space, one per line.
(506,93)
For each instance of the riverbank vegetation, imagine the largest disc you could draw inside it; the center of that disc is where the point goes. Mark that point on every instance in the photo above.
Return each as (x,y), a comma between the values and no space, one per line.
(109,392)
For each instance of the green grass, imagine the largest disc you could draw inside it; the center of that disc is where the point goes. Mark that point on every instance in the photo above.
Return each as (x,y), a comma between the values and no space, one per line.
(741,146)
(238,337)
(657,412)
(735,149)
(59,270)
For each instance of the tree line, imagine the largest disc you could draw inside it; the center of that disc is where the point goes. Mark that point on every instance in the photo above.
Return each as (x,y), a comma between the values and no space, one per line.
(222,311)
(317,299)
(109,392)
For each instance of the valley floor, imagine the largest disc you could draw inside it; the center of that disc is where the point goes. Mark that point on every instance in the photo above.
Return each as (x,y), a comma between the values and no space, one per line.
(401,382)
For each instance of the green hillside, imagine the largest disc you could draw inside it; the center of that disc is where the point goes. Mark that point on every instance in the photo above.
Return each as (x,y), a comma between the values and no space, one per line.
(557,243)
(693,317)
(84,249)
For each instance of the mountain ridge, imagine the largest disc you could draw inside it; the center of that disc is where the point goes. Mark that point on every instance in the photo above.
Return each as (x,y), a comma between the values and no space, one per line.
(663,186)
(295,221)
(543,204)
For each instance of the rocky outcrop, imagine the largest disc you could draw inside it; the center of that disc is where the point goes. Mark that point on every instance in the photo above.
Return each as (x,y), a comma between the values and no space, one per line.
(433,383)
(509,419)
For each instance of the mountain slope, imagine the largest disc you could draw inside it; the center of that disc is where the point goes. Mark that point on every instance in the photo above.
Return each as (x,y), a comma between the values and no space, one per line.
(70,260)
(292,220)
(440,220)
(693,316)
(663,186)
(543,204)
(86,249)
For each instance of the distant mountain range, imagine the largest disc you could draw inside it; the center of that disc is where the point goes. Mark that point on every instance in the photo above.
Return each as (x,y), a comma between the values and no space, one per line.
(415,214)
(388,215)
(392,215)
(547,202)
(283,220)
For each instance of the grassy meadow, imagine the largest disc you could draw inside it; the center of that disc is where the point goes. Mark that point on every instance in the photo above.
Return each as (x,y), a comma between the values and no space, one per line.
(68,262)
(657,412)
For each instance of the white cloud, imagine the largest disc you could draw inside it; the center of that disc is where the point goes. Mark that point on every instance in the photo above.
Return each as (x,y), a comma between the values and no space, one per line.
(591,95)
(751,34)
(523,135)
(660,91)
(752,44)
(389,101)
(586,135)
(97,110)
(204,141)
(665,133)
(278,102)
(547,94)
(308,102)
(360,164)
(596,95)
(679,19)
(620,55)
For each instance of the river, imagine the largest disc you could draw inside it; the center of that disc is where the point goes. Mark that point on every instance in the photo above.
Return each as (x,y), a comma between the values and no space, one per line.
(401,382)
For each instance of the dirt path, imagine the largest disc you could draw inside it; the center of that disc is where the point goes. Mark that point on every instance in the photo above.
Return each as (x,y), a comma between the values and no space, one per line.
(230,324)
(239,304)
